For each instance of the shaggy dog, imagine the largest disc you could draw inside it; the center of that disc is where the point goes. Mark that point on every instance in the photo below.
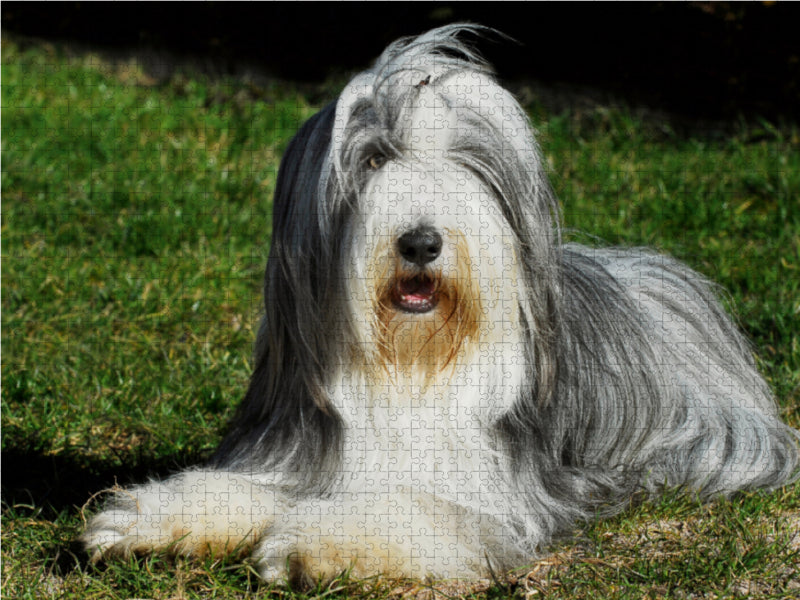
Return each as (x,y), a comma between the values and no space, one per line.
(440,385)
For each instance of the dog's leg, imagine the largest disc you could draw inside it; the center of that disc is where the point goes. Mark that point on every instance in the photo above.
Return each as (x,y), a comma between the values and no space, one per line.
(192,513)
(398,534)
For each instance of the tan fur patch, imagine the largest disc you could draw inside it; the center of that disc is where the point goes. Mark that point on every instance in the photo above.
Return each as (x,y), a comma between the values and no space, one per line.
(427,343)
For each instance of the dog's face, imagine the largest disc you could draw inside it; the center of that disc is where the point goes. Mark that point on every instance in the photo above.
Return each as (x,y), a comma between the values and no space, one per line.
(413,229)
(430,282)
(433,273)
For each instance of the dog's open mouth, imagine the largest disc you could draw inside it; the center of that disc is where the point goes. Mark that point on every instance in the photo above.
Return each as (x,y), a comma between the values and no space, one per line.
(417,294)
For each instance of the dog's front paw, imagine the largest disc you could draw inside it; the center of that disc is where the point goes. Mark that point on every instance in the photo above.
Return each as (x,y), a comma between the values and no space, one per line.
(191,514)
(128,527)
(396,535)
(319,551)
(318,540)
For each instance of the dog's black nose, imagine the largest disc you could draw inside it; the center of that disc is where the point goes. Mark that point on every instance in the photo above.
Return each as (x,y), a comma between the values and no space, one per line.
(420,246)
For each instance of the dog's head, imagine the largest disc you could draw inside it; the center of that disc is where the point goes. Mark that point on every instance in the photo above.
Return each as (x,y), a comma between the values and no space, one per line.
(414,224)
(414,250)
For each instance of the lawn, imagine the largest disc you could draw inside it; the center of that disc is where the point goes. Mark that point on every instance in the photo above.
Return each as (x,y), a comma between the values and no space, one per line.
(135,226)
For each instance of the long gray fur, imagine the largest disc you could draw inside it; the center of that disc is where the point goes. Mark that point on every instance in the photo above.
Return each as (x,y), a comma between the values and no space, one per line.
(634,379)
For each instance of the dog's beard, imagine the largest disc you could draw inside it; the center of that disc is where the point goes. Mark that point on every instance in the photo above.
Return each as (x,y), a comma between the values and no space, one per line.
(424,319)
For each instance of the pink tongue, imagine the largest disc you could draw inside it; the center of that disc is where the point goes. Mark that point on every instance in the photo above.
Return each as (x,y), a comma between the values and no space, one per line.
(417,287)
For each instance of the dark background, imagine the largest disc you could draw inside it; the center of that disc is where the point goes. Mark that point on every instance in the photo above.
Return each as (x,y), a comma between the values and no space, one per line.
(708,60)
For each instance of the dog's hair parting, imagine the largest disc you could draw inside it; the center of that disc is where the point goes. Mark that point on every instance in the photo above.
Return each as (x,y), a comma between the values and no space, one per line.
(441,385)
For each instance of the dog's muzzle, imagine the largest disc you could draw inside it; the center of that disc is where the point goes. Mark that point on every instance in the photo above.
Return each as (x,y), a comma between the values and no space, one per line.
(416,291)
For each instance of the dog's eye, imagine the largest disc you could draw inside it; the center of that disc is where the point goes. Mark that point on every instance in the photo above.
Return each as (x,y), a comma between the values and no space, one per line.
(376,161)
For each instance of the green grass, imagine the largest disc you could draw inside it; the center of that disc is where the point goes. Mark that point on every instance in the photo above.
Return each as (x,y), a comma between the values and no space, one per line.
(135,223)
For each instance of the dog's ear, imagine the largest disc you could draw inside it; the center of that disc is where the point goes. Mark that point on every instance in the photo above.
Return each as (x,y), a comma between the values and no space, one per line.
(285,409)
(298,275)
(300,172)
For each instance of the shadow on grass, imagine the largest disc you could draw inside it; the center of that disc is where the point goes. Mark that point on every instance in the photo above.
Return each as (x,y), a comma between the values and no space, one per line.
(54,487)
(55,483)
